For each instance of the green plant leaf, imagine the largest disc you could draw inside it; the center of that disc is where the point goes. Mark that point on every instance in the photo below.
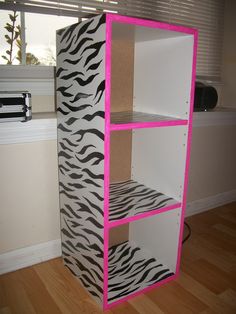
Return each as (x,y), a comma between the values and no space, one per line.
(8,39)
(8,52)
(9,28)
(12,17)
(16,35)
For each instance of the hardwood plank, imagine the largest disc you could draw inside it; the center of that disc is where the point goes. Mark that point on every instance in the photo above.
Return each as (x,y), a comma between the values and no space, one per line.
(37,292)
(226,229)
(65,289)
(229,297)
(173,296)
(124,308)
(145,305)
(209,275)
(15,296)
(3,299)
(5,310)
(228,216)
(199,247)
(209,311)
(216,237)
(204,294)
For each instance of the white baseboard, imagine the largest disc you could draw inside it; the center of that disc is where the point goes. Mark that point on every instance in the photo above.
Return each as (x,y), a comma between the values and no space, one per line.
(210,202)
(29,256)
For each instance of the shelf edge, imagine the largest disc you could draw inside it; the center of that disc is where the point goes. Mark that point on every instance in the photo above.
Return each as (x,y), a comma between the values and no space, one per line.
(125,220)
(139,125)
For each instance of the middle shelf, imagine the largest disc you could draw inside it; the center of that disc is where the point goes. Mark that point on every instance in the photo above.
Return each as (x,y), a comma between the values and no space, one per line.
(134,119)
(132,199)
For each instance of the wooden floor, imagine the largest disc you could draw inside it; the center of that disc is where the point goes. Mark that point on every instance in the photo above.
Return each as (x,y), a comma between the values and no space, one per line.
(207,283)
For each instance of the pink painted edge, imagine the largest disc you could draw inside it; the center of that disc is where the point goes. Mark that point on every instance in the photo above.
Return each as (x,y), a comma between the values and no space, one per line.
(188,151)
(107,155)
(136,21)
(147,23)
(132,295)
(119,222)
(139,125)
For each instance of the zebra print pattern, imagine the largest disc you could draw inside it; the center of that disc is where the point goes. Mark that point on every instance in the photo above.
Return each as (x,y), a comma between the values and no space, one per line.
(130,198)
(80,98)
(131,269)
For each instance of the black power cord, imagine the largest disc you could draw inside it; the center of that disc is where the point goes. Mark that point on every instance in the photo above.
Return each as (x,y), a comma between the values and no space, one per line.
(189,232)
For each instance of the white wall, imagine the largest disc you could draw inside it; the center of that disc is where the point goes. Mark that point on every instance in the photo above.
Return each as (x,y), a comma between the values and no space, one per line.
(212,163)
(29,208)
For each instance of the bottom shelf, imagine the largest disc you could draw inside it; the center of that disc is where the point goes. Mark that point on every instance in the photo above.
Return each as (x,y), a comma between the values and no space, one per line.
(131,270)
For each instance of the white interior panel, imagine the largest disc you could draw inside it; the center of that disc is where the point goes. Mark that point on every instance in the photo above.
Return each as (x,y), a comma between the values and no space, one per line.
(158,235)
(158,159)
(141,33)
(162,76)
(146,33)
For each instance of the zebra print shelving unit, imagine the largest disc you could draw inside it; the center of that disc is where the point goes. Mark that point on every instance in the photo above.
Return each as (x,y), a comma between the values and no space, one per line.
(125,97)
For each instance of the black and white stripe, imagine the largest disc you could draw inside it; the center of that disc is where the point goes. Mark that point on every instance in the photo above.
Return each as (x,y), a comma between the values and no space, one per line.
(132,269)
(80,98)
(130,198)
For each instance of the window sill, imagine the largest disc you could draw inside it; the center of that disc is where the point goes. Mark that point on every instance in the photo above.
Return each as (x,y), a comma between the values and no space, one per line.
(27,72)
(217,117)
(43,126)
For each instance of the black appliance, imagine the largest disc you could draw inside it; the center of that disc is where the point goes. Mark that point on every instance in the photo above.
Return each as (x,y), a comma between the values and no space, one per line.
(205,98)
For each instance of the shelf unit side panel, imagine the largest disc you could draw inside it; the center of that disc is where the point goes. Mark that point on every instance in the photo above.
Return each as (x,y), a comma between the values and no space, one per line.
(158,236)
(165,66)
(158,159)
(122,67)
(80,100)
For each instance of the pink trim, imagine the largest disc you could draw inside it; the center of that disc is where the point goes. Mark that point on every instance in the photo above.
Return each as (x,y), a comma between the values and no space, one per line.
(115,223)
(135,21)
(107,156)
(132,295)
(188,150)
(139,125)
(147,23)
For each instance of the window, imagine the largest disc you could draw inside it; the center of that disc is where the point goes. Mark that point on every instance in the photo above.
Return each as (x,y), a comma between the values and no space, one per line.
(35,32)
(205,15)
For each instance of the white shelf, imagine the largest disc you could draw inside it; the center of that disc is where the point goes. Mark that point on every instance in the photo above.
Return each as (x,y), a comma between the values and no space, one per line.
(132,269)
(130,119)
(130,198)
(126,117)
